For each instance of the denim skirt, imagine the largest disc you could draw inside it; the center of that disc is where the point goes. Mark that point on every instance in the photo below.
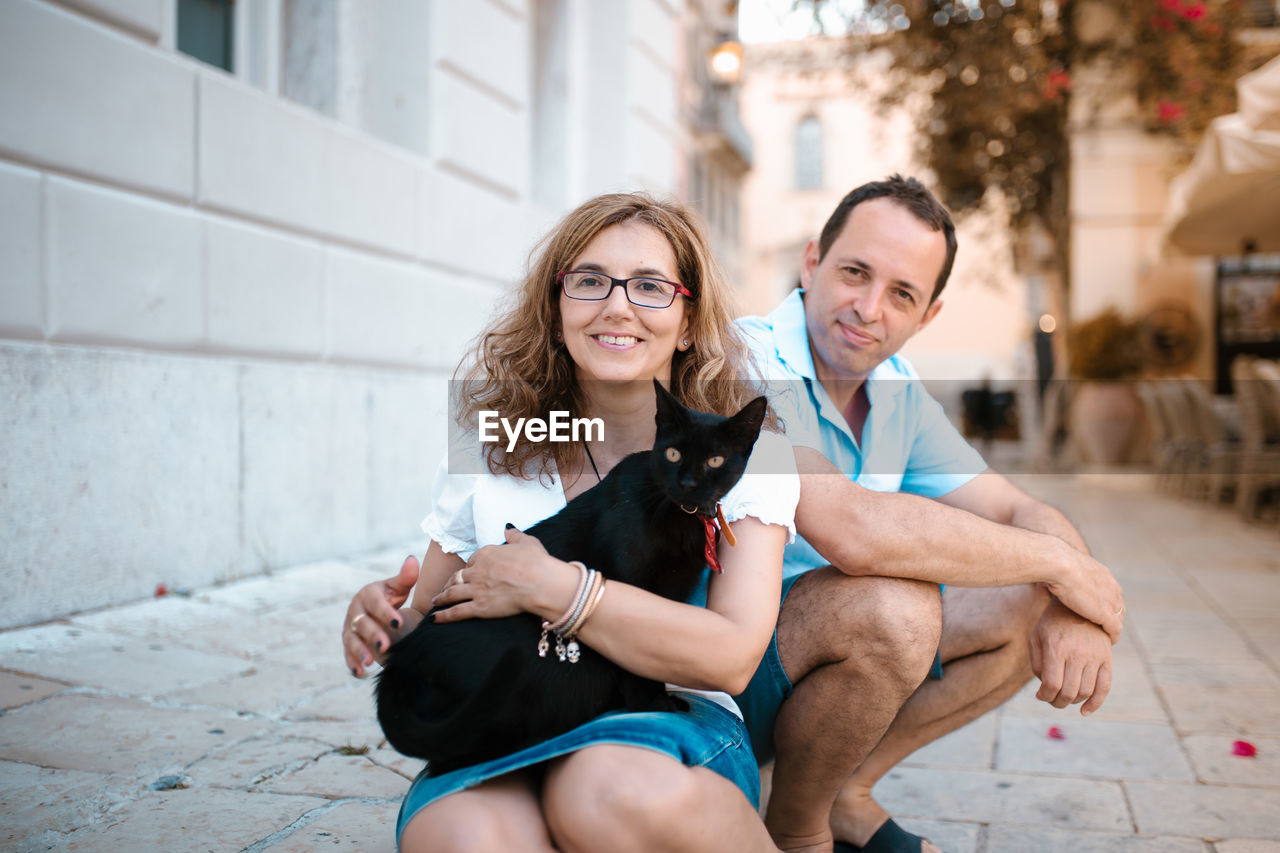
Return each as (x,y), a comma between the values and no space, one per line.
(706,735)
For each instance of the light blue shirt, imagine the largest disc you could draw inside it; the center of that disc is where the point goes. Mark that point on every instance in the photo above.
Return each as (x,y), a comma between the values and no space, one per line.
(908,444)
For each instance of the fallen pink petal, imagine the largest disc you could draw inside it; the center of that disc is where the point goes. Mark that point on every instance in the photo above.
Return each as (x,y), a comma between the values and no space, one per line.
(1057,733)
(1244,749)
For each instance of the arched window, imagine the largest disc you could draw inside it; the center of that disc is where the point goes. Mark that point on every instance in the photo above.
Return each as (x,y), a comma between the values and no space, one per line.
(809,153)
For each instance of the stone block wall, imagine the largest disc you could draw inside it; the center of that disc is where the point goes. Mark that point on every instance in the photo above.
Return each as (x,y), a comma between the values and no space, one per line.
(227,318)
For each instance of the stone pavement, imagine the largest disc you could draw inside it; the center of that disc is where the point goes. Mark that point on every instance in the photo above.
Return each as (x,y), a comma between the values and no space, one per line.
(225,721)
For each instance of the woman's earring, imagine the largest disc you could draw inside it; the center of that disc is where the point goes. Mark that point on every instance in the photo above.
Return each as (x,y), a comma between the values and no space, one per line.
(684,345)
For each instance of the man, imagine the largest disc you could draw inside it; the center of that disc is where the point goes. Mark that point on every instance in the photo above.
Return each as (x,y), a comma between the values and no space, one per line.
(840,694)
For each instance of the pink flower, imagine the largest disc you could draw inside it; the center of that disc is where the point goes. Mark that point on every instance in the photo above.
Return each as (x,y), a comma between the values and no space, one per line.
(1194,12)
(1056,733)
(1244,749)
(1170,111)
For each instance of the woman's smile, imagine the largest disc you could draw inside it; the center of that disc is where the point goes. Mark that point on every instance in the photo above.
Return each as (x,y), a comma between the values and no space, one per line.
(616,342)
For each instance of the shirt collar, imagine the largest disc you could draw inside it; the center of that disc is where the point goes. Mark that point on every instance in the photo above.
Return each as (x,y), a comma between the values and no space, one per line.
(791,338)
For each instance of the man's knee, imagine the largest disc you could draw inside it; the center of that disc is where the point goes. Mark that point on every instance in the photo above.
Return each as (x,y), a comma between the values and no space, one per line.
(889,625)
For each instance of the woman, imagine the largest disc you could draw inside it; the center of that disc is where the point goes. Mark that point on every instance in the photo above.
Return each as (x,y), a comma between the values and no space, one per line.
(676,781)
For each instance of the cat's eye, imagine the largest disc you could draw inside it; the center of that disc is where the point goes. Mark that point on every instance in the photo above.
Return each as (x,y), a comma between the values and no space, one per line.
(673,455)
(715,461)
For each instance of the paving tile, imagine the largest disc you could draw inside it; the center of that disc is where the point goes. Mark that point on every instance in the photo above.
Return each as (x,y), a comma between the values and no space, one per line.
(195,819)
(107,734)
(301,587)
(1247,845)
(350,700)
(198,623)
(1188,636)
(1243,593)
(990,797)
(247,764)
(17,690)
(113,661)
(1214,762)
(357,734)
(33,799)
(970,747)
(1092,748)
(366,827)
(336,776)
(1253,711)
(407,767)
(1205,811)
(1017,838)
(1264,633)
(266,688)
(1227,674)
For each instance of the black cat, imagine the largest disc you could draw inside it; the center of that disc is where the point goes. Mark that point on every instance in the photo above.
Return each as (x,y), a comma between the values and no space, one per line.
(460,693)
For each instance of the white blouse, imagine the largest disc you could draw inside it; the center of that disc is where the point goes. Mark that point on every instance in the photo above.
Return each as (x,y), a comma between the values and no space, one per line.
(469,511)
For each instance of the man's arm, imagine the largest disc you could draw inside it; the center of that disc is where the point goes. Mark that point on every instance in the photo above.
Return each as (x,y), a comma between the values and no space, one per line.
(862,532)
(1069,654)
(993,497)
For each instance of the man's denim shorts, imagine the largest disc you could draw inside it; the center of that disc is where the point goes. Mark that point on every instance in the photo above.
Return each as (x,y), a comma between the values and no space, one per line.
(770,686)
(706,735)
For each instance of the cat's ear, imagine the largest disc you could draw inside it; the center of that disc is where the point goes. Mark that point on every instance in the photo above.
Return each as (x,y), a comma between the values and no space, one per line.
(669,409)
(744,427)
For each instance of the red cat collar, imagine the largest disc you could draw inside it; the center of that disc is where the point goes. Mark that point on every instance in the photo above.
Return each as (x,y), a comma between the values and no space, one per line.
(709,527)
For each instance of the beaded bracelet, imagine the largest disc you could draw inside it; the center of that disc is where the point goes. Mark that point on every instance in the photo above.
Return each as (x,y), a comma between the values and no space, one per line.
(588,604)
(574,609)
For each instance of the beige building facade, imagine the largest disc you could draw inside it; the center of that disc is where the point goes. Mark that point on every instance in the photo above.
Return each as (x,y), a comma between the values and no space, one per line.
(242,254)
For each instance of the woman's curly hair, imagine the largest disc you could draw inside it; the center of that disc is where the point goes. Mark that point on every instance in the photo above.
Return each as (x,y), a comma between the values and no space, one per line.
(519,367)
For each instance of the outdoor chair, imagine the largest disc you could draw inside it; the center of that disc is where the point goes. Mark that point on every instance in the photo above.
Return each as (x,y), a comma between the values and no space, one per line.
(1187,452)
(1164,448)
(1259,434)
(1218,445)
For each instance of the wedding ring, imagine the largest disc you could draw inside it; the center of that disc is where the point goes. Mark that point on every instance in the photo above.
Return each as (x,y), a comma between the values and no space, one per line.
(359,616)
(457,577)
(1121,610)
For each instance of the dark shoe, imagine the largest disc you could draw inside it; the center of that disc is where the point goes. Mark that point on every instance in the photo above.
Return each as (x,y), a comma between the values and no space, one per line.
(889,838)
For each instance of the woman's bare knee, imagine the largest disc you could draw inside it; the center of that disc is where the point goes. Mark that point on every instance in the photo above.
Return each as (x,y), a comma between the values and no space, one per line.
(619,798)
(499,815)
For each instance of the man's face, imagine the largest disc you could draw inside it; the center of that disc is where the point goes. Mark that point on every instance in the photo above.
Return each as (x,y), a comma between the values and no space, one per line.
(871,292)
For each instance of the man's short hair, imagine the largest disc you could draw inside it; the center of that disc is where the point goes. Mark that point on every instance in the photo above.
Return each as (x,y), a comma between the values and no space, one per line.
(912,195)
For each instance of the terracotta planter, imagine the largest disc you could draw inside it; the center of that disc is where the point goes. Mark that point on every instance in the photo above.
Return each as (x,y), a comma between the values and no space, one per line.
(1106,418)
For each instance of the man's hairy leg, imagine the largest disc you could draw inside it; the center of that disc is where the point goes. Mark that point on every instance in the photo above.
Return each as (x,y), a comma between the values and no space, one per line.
(984,649)
(855,649)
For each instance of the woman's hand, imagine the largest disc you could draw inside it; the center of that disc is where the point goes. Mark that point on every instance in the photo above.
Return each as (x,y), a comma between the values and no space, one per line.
(373,617)
(503,580)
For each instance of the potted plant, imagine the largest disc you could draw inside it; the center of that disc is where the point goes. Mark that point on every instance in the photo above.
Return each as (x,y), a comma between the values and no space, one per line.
(1106,415)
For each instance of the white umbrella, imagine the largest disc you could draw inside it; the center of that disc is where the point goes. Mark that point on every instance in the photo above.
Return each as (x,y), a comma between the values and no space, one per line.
(1230,195)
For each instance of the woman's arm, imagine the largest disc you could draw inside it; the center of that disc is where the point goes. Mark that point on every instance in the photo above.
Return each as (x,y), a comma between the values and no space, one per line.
(378,613)
(713,648)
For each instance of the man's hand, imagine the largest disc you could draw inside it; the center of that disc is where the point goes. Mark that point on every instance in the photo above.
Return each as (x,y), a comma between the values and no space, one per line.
(374,616)
(1093,594)
(1072,658)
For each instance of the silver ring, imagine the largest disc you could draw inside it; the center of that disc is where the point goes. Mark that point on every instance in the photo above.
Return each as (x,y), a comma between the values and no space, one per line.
(457,577)
(359,616)
(1120,611)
